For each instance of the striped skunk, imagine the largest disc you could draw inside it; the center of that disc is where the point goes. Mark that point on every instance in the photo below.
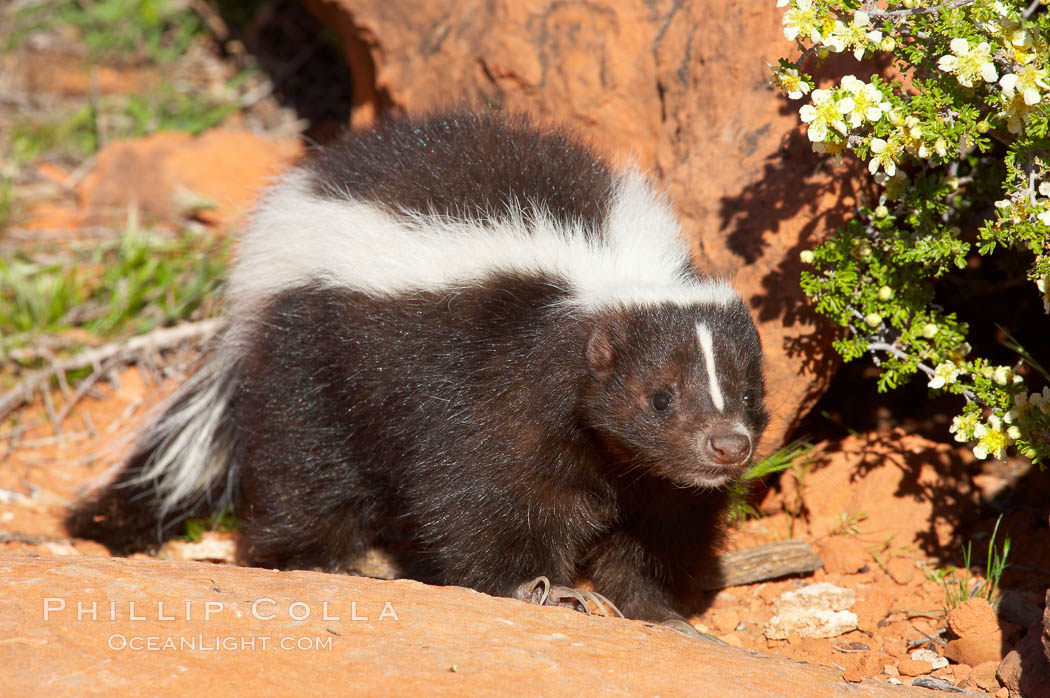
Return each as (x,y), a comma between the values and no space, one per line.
(470,339)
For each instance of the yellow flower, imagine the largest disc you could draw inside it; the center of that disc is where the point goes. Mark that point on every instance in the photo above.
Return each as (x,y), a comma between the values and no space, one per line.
(991,439)
(1041,400)
(911,135)
(1028,81)
(945,374)
(1017,113)
(884,154)
(858,35)
(788,80)
(801,19)
(825,111)
(866,101)
(1043,285)
(835,37)
(963,426)
(968,64)
(831,148)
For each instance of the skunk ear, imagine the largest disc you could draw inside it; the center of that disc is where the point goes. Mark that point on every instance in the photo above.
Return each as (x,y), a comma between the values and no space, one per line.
(601,347)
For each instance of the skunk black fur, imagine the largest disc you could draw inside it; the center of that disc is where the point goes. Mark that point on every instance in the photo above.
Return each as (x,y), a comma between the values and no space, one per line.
(470,339)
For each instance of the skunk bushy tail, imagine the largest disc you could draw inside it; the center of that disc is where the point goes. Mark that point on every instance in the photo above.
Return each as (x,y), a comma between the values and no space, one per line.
(182,466)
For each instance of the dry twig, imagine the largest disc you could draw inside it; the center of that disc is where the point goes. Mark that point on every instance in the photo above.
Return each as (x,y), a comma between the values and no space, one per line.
(104,358)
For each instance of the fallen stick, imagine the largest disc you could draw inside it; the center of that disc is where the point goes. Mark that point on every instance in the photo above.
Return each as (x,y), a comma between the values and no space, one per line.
(761,563)
(158,339)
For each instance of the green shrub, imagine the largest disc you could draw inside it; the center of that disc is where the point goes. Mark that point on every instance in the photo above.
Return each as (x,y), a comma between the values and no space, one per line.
(957,143)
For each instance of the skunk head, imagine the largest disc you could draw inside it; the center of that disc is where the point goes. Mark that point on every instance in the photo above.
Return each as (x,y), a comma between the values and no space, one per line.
(677,391)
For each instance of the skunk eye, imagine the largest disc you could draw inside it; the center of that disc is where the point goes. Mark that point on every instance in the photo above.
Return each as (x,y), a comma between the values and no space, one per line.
(662,400)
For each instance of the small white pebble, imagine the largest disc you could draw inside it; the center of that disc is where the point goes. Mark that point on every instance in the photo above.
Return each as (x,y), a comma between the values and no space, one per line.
(928,655)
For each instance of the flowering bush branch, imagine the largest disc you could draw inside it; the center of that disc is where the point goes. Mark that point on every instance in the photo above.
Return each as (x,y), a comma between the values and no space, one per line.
(962,123)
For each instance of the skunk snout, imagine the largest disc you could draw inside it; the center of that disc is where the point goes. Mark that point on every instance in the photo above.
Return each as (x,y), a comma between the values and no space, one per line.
(728,447)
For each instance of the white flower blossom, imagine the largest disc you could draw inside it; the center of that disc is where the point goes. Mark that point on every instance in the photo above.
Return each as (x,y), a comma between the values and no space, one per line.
(835,39)
(789,81)
(1043,285)
(1041,400)
(835,150)
(825,111)
(801,19)
(884,154)
(1021,38)
(991,439)
(1017,113)
(867,101)
(944,374)
(857,35)
(1028,81)
(963,427)
(968,64)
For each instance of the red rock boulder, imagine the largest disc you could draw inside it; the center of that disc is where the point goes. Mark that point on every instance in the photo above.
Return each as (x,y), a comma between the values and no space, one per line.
(680,87)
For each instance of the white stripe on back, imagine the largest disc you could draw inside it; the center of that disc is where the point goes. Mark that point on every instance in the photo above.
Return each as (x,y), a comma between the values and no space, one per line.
(297,237)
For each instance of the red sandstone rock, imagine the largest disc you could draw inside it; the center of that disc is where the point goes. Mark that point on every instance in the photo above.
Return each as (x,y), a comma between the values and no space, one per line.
(409,638)
(168,172)
(972,617)
(983,676)
(842,554)
(980,637)
(681,87)
(865,666)
(901,569)
(976,649)
(723,620)
(1025,671)
(873,605)
(891,484)
(914,667)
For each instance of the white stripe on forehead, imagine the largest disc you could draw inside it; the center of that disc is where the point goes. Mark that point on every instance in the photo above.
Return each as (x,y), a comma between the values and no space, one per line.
(704,334)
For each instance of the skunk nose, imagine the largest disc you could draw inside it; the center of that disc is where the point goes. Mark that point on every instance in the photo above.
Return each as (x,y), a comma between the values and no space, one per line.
(729,448)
